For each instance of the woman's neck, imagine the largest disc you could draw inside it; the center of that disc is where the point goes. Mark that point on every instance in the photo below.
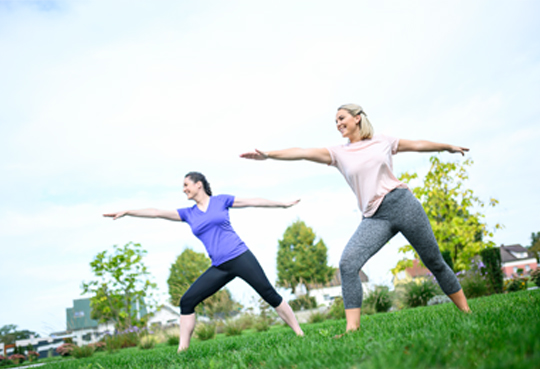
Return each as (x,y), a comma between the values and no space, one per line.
(201,200)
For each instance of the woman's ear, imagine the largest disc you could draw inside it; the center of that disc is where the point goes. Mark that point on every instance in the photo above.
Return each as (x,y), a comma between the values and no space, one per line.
(358,119)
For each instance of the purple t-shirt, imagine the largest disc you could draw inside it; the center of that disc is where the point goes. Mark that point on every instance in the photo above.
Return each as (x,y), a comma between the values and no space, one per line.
(214,229)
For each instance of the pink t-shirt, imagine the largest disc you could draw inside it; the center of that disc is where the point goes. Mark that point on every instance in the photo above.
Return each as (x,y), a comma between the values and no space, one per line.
(367,168)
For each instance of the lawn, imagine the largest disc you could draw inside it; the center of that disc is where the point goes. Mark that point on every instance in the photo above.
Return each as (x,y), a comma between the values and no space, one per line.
(502,332)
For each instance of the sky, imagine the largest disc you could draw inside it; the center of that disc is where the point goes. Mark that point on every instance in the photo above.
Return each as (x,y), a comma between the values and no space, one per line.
(106,105)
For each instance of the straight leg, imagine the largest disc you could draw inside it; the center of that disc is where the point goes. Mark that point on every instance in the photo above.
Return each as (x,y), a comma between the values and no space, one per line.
(187,325)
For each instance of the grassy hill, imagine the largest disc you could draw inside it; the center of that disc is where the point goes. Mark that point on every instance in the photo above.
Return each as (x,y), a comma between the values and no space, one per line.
(502,332)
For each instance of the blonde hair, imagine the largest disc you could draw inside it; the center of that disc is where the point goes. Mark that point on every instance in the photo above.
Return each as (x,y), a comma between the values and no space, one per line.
(366,129)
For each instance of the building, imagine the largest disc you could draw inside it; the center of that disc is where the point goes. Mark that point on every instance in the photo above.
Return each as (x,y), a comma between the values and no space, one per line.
(326,293)
(165,316)
(416,272)
(516,260)
(81,327)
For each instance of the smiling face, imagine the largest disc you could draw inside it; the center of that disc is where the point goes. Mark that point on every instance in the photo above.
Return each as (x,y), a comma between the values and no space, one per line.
(191,189)
(347,125)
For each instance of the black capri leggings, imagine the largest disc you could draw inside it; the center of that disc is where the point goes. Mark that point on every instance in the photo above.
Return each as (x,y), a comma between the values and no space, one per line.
(244,266)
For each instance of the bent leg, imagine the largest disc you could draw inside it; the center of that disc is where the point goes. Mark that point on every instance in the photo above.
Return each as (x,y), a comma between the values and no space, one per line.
(417,230)
(205,286)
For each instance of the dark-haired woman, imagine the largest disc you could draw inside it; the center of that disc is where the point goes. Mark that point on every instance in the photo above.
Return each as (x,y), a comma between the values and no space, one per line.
(209,221)
(387,205)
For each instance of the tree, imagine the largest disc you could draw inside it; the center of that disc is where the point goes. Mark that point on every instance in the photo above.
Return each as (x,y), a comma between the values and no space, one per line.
(535,244)
(300,261)
(9,334)
(450,207)
(121,288)
(189,265)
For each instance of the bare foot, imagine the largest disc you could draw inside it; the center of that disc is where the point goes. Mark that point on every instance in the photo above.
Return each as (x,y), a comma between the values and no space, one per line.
(338,336)
(181,349)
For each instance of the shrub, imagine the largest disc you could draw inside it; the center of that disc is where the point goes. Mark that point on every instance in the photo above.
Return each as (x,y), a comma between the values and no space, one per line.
(98,346)
(246,321)
(128,338)
(173,340)
(493,269)
(439,299)
(233,327)
(337,310)
(147,342)
(317,317)
(32,355)
(380,299)
(205,331)
(65,349)
(418,292)
(447,256)
(262,324)
(82,351)
(515,284)
(473,282)
(304,302)
(535,277)
(17,358)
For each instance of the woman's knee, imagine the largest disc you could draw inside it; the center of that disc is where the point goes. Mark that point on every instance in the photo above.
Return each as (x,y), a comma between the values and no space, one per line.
(187,304)
(348,265)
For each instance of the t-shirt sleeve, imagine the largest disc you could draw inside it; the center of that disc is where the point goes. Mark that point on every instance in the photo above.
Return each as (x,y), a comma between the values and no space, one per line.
(394,143)
(183,214)
(228,200)
(332,151)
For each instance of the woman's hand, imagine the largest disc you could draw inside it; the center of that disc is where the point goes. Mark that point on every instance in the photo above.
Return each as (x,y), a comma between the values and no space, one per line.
(457,149)
(255,155)
(288,204)
(118,214)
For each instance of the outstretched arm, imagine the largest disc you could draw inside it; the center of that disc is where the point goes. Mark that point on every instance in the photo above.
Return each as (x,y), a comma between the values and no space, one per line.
(262,203)
(428,146)
(146,213)
(320,155)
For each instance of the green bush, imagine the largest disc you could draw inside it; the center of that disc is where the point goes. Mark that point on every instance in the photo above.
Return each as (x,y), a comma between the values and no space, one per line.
(205,331)
(233,327)
(80,352)
(147,342)
(303,303)
(317,317)
(246,321)
(493,269)
(419,292)
(447,256)
(473,283)
(262,324)
(380,299)
(515,284)
(173,340)
(535,277)
(337,310)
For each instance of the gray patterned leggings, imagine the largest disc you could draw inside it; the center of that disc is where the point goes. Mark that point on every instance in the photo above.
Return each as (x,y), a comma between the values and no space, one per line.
(401,212)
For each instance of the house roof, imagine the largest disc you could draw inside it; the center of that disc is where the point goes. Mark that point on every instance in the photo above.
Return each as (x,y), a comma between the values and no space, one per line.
(512,253)
(417,270)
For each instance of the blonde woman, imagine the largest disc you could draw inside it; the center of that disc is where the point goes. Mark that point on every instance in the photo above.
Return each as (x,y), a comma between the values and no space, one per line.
(387,204)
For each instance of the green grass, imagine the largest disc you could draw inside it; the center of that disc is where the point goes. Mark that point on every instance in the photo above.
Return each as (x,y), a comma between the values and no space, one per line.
(502,332)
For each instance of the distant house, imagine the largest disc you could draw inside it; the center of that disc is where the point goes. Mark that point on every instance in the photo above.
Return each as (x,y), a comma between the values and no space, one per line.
(326,293)
(165,316)
(516,259)
(416,272)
